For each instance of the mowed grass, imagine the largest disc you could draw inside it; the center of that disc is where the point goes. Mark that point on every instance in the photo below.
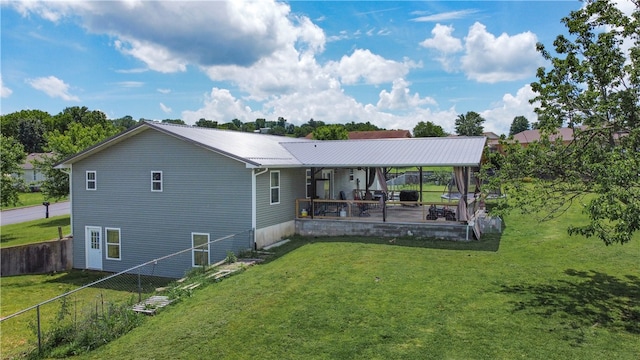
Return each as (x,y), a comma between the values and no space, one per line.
(34,231)
(21,292)
(18,293)
(534,292)
(29,199)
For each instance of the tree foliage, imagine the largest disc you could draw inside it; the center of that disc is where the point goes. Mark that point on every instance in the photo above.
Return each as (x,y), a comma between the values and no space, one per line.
(593,87)
(518,125)
(76,138)
(11,157)
(428,129)
(331,132)
(469,124)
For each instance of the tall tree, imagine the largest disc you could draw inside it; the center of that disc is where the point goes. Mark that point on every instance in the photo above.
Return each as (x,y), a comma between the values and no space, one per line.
(31,134)
(518,125)
(124,122)
(206,123)
(63,144)
(428,129)
(469,124)
(331,132)
(174,121)
(11,157)
(593,87)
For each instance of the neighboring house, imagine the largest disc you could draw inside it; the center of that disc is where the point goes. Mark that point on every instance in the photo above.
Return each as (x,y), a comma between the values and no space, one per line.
(156,188)
(526,137)
(31,175)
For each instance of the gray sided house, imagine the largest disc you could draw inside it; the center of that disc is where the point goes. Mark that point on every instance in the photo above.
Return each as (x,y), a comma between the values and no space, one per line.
(157,189)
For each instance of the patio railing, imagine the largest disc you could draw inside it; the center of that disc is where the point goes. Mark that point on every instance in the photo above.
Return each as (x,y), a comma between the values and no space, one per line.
(376,210)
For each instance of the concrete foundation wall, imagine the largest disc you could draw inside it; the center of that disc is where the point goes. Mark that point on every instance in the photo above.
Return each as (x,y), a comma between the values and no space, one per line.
(37,258)
(322,227)
(272,234)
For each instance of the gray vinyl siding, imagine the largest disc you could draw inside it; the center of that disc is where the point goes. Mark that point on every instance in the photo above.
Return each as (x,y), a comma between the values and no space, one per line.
(292,187)
(203,192)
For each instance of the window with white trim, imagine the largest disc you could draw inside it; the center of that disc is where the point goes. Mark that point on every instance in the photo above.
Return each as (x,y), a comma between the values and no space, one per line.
(113,243)
(156,181)
(200,251)
(274,186)
(92,180)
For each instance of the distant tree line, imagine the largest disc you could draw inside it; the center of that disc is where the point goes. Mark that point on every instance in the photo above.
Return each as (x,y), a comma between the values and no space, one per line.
(77,128)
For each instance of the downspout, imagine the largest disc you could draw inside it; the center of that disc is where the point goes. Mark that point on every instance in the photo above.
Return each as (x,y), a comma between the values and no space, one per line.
(253,203)
(70,195)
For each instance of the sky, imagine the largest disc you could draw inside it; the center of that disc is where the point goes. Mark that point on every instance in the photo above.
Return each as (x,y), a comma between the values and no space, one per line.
(391,63)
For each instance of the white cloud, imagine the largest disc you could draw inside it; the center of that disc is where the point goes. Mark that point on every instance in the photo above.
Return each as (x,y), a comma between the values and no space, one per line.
(53,87)
(499,118)
(165,108)
(400,98)
(446,44)
(157,58)
(451,15)
(504,58)
(4,91)
(168,35)
(164,91)
(221,106)
(131,84)
(363,65)
(442,40)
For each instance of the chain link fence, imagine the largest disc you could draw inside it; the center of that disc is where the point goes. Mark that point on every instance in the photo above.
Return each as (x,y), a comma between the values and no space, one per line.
(93,313)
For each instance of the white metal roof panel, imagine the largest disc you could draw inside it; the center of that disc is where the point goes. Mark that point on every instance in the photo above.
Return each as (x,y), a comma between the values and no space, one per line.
(255,149)
(260,150)
(449,151)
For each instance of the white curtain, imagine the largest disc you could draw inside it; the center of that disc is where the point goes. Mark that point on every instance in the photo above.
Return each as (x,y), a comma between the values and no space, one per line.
(459,174)
(381,180)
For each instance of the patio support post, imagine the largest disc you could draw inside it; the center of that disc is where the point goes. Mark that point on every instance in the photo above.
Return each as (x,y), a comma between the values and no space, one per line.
(420,175)
(313,191)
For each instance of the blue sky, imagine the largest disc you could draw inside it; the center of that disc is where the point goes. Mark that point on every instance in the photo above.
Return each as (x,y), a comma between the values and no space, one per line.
(393,63)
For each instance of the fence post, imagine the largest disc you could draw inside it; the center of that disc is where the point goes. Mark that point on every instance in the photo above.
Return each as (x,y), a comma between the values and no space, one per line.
(39,333)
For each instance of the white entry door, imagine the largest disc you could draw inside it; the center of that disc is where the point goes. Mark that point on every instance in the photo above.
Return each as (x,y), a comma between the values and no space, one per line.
(93,244)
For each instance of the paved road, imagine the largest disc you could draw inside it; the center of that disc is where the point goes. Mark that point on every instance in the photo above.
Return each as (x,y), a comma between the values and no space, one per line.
(33,213)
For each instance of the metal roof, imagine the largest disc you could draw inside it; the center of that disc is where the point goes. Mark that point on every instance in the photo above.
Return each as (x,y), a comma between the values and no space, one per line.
(441,151)
(260,150)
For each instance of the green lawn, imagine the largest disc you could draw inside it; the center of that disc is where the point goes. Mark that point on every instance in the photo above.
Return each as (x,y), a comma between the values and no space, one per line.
(533,293)
(34,231)
(21,292)
(29,199)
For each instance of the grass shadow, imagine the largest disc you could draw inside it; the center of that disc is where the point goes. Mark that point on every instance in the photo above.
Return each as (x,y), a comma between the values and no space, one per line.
(123,282)
(4,238)
(490,242)
(54,223)
(587,299)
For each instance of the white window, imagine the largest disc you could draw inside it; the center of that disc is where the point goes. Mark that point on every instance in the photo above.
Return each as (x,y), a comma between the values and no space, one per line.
(156,181)
(113,243)
(92,180)
(200,251)
(275,187)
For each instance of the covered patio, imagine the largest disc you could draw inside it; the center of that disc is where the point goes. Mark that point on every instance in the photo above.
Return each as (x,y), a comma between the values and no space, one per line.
(374,210)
